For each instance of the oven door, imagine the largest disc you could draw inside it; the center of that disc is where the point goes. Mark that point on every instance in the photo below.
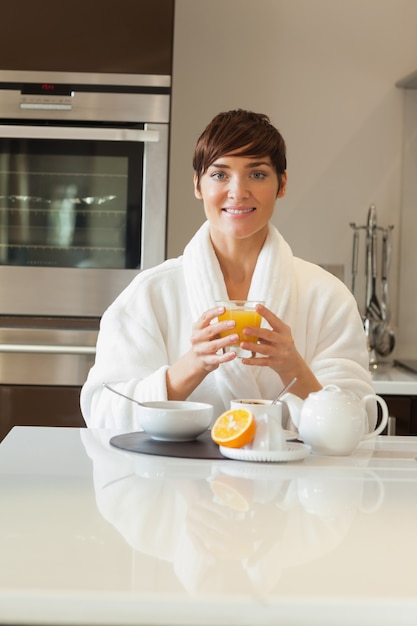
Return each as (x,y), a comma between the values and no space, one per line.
(82,208)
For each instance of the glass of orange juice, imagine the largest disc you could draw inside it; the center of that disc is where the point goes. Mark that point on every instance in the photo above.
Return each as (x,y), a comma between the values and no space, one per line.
(244,314)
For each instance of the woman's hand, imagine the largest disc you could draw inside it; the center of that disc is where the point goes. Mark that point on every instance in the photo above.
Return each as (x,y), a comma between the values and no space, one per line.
(206,354)
(207,345)
(276,349)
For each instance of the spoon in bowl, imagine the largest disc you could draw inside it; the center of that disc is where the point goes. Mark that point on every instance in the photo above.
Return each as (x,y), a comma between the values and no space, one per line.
(107,386)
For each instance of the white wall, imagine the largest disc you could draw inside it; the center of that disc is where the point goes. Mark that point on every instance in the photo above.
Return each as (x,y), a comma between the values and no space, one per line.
(407,315)
(325,72)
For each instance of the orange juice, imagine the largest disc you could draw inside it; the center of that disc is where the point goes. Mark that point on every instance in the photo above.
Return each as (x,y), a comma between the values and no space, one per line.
(243,318)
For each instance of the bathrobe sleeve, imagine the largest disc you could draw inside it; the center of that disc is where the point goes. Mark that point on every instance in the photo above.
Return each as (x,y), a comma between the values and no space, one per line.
(328,331)
(140,335)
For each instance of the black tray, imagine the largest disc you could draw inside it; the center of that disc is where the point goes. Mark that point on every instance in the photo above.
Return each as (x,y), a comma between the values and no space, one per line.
(201,448)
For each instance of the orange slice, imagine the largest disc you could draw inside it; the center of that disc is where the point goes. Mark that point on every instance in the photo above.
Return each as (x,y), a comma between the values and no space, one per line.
(234,428)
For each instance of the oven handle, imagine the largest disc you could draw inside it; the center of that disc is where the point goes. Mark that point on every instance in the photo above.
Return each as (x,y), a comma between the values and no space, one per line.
(89,134)
(46,349)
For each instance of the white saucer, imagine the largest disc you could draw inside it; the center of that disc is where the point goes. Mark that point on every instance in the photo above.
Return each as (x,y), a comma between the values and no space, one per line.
(293,452)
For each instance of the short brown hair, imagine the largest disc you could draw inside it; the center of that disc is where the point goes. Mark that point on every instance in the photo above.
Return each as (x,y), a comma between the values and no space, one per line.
(241,133)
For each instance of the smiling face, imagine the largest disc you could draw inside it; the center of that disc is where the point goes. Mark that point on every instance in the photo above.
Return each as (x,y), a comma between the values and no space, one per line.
(239,195)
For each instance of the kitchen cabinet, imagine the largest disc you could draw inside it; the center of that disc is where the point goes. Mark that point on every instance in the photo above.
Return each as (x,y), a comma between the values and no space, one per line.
(126,37)
(398,387)
(401,408)
(39,405)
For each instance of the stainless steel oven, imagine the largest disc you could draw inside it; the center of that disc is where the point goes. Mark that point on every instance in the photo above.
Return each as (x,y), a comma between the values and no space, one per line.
(83,207)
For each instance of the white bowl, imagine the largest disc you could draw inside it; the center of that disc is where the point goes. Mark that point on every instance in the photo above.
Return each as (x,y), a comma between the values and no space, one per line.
(172,420)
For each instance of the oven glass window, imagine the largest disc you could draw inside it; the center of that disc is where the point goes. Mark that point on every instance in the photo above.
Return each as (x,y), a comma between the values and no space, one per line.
(68,203)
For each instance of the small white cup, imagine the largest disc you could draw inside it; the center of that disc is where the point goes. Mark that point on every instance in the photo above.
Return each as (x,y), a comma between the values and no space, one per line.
(269,433)
(252,404)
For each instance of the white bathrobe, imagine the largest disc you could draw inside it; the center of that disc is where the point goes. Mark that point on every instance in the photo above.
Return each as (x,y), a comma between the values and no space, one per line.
(148,327)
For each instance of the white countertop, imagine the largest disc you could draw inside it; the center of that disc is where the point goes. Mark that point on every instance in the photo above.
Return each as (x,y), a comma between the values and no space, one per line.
(91,534)
(391,380)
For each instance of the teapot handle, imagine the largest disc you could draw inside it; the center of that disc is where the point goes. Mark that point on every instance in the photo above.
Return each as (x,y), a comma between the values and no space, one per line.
(384,417)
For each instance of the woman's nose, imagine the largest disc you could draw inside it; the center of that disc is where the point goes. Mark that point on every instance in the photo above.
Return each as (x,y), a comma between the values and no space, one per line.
(238,188)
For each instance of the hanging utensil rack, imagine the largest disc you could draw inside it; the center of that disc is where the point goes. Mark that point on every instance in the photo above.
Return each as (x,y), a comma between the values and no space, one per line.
(376,306)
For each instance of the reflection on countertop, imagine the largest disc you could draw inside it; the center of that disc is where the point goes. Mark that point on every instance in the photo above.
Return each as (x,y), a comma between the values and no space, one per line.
(227,526)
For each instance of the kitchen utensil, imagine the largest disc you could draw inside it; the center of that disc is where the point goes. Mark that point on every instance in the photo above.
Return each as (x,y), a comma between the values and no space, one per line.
(384,340)
(370,336)
(355,254)
(368,265)
(373,307)
(385,266)
(384,272)
(119,393)
(286,388)
(384,336)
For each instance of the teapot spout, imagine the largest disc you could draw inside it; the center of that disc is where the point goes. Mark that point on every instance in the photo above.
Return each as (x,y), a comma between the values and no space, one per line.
(294,404)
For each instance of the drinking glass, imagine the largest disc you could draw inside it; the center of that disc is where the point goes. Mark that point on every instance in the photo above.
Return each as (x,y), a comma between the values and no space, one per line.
(244,314)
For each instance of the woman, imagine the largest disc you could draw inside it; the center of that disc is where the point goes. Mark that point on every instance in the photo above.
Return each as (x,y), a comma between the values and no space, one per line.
(160,338)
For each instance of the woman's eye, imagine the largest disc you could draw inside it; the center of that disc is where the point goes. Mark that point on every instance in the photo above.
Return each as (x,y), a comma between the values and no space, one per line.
(218,175)
(259,175)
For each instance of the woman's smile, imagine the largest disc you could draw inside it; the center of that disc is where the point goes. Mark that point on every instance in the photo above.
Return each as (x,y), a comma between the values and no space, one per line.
(238,210)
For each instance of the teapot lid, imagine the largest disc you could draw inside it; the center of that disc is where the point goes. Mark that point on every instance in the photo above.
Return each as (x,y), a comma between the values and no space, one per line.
(335,390)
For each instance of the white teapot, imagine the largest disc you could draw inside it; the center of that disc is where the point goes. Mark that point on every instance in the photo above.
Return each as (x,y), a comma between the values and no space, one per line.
(333,421)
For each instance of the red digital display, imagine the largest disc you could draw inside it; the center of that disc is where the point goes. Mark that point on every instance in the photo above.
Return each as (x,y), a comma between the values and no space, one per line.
(42,89)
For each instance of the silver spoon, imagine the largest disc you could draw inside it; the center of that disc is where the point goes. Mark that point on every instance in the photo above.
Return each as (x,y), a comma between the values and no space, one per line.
(281,393)
(107,386)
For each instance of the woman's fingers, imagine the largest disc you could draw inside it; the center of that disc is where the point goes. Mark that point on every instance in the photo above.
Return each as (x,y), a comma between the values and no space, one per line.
(209,341)
(275,346)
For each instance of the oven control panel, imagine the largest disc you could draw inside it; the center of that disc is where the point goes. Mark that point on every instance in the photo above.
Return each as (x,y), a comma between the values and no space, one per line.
(46,96)
(46,102)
